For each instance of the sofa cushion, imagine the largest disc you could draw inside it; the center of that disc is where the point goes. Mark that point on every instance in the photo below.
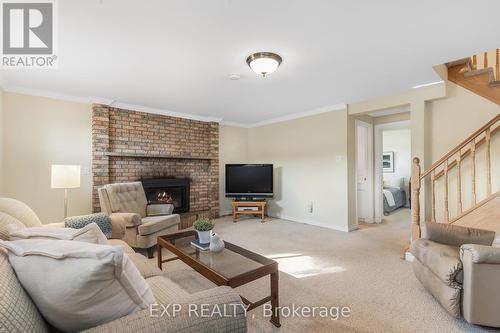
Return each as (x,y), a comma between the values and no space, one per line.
(17,311)
(152,224)
(165,290)
(442,260)
(90,233)
(83,284)
(159,209)
(127,198)
(145,241)
(457,235)
(146,268)
(447,296)
(118,242)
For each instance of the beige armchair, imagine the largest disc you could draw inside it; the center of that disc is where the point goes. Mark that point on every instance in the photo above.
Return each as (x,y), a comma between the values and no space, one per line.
(133,220)
(461,269)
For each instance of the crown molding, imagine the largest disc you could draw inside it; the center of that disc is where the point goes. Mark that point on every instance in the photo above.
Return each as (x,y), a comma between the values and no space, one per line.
(163,112)
(233,124)
(336,107)
(45,93)
(104,101)
(101,100)
(142,108)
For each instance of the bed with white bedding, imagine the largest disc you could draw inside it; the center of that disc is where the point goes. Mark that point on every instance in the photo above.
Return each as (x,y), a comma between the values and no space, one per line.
(394,197)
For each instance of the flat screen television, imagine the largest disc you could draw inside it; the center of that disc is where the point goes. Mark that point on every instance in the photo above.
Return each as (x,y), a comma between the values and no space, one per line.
(249,180)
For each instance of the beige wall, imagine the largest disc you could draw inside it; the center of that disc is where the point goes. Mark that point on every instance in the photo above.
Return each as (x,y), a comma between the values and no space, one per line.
(451,121)
(233,148)
(454,118)
(441,116)
(310,160)
(313,156)
(39,132)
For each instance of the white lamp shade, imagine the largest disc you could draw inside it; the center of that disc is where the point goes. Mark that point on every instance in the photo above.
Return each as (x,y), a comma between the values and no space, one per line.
(264,66)
(65,176)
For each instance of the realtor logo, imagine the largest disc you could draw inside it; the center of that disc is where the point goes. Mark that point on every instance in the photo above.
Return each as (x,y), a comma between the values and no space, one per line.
(28,34)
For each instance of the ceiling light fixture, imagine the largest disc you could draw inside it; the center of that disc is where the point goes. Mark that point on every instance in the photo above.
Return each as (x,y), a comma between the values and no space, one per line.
(264,63)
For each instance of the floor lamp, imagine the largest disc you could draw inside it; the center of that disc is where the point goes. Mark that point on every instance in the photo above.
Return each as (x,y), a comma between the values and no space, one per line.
(65,176)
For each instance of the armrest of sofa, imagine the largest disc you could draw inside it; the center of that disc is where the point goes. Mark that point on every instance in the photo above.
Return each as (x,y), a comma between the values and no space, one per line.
(457,235)
(480,254)
(159,209)
(480,292)
(229,315)
(121,221)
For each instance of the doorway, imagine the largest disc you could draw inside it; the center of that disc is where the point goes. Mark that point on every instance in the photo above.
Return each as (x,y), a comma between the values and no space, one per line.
(392,170)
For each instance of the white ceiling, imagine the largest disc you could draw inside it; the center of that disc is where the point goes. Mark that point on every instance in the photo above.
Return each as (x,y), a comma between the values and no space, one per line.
(177,55)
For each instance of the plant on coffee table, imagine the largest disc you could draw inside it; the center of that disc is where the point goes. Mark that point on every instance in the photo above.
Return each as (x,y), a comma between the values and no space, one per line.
(203,227)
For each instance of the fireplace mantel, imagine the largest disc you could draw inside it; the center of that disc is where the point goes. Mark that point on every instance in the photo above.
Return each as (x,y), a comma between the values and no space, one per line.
(137,155)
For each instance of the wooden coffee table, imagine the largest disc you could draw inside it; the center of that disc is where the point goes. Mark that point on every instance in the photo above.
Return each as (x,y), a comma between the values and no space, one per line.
(234,266)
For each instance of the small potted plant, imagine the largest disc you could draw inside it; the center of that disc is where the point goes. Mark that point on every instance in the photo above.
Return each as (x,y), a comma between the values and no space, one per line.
(203,227)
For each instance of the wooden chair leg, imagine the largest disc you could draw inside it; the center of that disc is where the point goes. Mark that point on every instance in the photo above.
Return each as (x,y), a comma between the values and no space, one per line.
(150,251)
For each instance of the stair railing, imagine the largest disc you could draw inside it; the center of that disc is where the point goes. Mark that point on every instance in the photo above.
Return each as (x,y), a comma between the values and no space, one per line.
(442,167)
(485,63)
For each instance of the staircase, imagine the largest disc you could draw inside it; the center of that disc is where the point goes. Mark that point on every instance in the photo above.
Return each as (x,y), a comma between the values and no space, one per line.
(479,74)
(472,158)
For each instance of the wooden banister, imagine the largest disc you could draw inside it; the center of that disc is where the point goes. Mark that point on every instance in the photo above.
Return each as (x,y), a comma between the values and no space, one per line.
(415,198)
(462,145)
(465,153)
(465,148)
(455,158)
(497,66)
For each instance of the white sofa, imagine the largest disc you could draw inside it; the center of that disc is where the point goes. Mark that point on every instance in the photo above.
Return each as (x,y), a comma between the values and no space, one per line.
(18,313)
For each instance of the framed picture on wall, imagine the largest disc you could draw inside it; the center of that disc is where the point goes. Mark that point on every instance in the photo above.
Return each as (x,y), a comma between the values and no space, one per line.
(388,161)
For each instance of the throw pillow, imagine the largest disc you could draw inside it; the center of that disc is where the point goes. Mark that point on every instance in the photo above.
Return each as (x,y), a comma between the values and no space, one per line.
(101,219)
(90,233)
(78,285)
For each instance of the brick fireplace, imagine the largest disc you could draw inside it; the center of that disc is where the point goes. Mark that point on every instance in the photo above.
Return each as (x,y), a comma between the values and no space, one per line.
(136,146)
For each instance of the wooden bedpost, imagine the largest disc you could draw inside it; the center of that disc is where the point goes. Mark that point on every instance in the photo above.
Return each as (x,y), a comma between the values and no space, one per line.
(415,198)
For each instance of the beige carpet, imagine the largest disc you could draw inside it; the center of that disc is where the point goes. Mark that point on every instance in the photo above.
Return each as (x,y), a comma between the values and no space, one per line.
(322,267)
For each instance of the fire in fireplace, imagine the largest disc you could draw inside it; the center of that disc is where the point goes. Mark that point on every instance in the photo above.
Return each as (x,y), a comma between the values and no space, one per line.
(166,190)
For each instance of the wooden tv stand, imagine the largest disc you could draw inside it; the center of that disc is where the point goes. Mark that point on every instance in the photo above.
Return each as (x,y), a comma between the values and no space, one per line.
(260,205)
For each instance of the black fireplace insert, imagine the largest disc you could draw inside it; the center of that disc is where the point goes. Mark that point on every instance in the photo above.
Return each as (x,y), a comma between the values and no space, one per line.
(168,191)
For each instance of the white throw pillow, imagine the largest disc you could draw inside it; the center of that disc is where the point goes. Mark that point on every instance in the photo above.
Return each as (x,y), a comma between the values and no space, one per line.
(78,285)
(91,233)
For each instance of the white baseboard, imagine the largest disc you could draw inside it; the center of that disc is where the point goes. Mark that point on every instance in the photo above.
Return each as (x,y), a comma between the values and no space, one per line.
(312,222)
(300,220)
(353,227)
(225,213)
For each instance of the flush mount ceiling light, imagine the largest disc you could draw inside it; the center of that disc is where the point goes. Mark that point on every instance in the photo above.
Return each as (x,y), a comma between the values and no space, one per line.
(264,63)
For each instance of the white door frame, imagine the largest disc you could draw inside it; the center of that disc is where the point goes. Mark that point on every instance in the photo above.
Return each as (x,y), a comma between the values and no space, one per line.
(378,181)
(369,181)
